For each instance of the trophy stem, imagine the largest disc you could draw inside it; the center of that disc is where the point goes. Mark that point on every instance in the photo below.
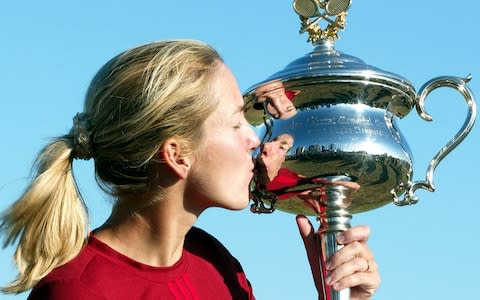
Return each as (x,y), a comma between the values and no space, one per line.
(334,218)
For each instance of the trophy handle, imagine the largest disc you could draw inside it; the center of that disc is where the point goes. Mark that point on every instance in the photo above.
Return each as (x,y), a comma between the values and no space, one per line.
(459,84)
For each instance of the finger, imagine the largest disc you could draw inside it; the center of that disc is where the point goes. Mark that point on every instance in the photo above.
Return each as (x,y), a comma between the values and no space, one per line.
(306,229)
(280,105)
(273,109)
(354,265)
(307,233)
(360,282)
(277,104)
(358,233)
(349,252)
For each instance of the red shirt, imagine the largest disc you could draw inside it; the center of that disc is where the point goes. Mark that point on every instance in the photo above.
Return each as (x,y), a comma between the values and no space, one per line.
(206,270)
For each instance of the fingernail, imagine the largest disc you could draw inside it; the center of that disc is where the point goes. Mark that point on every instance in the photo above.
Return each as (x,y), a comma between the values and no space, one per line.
(328,266)
(329,280)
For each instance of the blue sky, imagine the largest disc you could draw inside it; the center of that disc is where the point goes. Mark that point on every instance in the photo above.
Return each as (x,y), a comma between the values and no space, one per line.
(51,49)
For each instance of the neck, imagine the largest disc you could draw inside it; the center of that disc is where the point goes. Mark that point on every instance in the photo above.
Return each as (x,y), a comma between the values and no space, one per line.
(152,235)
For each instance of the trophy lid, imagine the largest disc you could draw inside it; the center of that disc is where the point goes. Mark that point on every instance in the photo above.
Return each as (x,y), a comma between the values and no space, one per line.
(332,76)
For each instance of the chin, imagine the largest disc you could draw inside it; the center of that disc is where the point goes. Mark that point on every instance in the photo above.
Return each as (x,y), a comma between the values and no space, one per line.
(239,205)
(245,204)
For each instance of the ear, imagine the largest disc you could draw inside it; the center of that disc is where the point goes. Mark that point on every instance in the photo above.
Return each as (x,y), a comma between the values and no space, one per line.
(174,157)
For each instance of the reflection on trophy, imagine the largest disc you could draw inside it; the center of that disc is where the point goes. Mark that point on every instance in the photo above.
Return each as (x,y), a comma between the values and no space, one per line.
(335,119)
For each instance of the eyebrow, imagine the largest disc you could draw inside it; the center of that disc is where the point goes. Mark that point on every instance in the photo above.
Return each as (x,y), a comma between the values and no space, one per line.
(240,109)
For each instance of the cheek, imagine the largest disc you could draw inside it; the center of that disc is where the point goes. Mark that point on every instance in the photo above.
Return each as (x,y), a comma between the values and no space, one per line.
(224,147)
(228,145)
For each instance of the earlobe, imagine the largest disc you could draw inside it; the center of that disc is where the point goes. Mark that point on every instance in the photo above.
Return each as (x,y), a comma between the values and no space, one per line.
(174,157)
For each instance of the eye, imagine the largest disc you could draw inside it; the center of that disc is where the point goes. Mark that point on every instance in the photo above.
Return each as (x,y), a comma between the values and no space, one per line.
(237,125)
(285,146)
(241,120)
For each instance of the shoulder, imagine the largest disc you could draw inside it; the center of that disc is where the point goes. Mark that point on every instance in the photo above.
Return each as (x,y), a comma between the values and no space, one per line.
(74,280)
(196,234)
(203,245)
(73,289)
(209,250)
(198,241)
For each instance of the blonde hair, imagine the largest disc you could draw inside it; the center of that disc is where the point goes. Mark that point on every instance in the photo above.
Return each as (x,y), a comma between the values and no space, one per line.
(135,102)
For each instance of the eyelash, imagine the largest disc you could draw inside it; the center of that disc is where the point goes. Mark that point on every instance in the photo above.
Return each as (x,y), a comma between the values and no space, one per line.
(240,123)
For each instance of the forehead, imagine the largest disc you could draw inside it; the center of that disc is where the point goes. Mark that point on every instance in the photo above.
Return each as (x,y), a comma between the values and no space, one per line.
(225,89)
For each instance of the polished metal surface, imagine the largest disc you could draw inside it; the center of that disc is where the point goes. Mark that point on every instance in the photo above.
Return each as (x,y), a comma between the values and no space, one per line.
(460,85)
(342,138)
(336,196)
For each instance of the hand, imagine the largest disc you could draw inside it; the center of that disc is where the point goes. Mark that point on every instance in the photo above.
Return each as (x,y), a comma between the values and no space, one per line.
(353,266)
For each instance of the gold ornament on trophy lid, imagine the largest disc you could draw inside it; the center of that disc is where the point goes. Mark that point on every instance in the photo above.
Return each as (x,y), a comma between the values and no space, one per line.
(313,12)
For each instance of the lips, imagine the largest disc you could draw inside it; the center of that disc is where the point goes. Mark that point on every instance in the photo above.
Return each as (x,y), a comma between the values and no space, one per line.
(252,171)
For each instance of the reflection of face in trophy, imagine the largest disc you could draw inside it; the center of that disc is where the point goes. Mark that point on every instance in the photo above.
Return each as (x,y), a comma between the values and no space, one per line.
(347,154)
(272,155)
(278,101)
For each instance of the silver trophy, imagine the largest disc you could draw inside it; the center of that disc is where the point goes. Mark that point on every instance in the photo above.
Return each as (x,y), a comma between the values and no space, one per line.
(335,118)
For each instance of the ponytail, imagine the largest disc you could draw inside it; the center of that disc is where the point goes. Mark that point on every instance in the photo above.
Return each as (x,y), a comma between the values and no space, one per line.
(49,220)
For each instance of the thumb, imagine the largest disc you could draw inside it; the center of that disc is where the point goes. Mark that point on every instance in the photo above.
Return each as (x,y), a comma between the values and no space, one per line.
(306,229)
(308,234)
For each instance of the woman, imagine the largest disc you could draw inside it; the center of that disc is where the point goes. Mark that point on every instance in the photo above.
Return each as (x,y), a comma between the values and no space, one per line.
(157,120)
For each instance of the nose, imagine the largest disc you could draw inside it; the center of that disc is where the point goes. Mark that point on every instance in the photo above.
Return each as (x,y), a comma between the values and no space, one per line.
(267,148)
(253,139)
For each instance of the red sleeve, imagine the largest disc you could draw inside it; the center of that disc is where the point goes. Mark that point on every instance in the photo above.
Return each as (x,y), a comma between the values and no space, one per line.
(285,179)
(63,289)
(290,94)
